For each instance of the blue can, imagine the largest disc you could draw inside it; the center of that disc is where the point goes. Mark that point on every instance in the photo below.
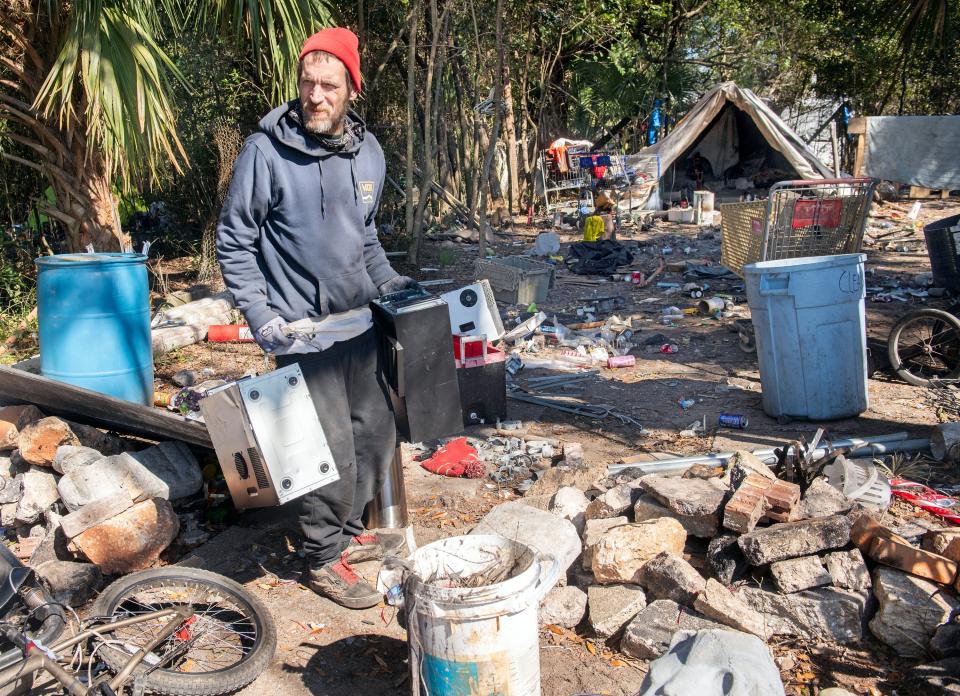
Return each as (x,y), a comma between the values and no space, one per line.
(733,420)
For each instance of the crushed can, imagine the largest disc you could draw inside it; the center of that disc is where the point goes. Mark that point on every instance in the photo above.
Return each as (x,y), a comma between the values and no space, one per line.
(733,420)
(669,348)
(621,361)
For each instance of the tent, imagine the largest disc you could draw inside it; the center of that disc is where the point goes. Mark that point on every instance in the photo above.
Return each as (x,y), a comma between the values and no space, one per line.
(744,143)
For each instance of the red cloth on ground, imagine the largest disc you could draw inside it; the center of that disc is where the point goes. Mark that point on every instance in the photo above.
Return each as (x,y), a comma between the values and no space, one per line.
(456,458)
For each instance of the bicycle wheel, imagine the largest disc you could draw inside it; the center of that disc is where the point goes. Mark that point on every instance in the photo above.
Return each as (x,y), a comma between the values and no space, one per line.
(228,643)
(925,346)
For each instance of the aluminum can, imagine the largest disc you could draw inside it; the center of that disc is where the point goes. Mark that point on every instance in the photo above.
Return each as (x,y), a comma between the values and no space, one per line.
(733,420)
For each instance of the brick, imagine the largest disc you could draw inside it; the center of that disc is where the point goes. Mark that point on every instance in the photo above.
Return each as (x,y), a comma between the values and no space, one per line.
(38,442)
(783,495)
(912,560)
(865,529)
(747,505)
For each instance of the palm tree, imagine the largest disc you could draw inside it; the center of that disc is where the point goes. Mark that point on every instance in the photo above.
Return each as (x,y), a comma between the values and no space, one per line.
(86,88)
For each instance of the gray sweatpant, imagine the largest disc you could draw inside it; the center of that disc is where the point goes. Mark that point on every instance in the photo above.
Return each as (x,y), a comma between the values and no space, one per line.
(348,392)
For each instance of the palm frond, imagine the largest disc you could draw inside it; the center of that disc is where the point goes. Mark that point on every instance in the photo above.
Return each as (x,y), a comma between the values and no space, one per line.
(274,30)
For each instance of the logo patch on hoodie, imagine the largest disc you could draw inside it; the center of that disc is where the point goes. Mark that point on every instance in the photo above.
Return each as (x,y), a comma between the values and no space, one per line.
(366,191)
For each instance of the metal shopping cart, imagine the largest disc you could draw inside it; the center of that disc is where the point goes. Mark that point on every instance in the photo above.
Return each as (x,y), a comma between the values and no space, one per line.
(818,217)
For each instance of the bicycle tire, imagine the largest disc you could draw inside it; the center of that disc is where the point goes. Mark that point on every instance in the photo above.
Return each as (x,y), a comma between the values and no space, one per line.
(901,364)
(174,683)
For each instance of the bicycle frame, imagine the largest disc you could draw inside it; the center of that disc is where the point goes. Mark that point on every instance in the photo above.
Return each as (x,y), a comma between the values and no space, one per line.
(40,661)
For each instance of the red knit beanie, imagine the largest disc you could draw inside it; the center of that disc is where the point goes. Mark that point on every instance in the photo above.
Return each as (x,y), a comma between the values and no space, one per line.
(340,42)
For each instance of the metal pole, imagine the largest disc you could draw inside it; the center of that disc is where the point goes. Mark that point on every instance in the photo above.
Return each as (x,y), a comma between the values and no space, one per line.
(880,444)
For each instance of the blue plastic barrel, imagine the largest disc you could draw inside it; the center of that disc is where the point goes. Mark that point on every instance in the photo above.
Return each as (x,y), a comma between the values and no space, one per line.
(94,317)
(808,316)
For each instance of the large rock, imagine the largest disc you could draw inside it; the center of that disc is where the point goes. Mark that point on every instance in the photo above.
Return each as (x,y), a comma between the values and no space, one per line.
(38,442)
(103,478)
(541,530)
(554,479)
(646,507)
(622,551)
(651,632)
(795,574)
(564,606)
(848,570)
(714,662)
(720,604)
(725,560)
(822,500)
(792,539)
(669,576)
(70,457)
(910,610)
(11,489)
(613,503)
(70,583)
(593,531)
(174,465)
(570,504)
(946,641)
(13,419)
(944,542)
(697,503)
(824,614)
(131,540)
(612,606)
(39,493)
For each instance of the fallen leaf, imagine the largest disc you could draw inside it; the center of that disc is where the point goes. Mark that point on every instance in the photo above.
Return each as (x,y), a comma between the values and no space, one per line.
(617,663)
(553,628)
(591,648)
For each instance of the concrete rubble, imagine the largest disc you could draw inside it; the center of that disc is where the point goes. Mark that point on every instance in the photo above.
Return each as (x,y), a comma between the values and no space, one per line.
(621,553)
(544,531)
(910,611)
(668,576)
(651,632)
(697,503)
(564,607)
(613,606)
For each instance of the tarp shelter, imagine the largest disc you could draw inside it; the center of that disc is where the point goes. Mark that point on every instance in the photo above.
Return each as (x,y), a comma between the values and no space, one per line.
(740,137)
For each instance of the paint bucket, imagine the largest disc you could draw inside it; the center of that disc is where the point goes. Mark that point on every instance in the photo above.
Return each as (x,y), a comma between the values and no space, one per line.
(711,305)
(473,641)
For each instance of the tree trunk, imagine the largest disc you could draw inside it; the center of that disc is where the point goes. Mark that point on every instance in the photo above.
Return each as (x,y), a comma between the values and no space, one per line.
(495,135)
(510,125)
(411,111)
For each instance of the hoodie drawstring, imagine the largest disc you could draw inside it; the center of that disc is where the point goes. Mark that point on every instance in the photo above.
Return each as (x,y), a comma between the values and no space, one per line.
(323,212)
(353,176)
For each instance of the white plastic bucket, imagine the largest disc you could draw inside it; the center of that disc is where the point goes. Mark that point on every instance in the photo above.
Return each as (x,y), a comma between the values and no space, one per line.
(475,641)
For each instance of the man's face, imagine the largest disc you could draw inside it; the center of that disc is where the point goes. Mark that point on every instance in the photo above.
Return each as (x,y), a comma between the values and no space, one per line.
(325,93)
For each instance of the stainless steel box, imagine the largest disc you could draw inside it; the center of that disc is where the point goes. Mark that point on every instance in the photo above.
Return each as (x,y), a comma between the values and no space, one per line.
(268,438)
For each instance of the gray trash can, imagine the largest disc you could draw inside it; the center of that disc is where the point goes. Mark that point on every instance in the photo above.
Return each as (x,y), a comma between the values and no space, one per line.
(808,315)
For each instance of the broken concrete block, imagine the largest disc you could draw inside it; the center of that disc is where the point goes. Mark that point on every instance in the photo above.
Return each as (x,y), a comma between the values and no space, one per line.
(94,513)
(822,500)
(13,419)
(613,503)
(647,507)
(69,457)
(795,574)
(613,606)
(593,530)
(38,442)
(650,633)
(8,514)
(564,607)
(131,540)
(720,604)
(747,506)
(698,504)
(847,569)
(909,559)
(668,576)
(103,478)
(554,479)
(622,551)
(825,614)
(11,489)
(715,662)
(743,464)
(570,504)
(70,583)
(792,539)
(541,530)
(39,493)
(174,465)
(910,611)
(573,455)
(725,560)
(943,542)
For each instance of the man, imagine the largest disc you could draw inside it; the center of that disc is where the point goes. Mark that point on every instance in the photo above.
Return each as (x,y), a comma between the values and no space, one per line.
(297,239)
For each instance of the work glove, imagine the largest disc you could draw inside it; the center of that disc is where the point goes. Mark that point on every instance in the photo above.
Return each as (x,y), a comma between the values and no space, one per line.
(270,336)
(397,284)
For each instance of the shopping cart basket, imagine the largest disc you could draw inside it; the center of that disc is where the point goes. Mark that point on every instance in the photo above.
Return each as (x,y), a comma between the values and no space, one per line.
(818,217)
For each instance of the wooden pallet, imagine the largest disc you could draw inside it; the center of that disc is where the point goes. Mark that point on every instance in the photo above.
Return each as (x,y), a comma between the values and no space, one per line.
(921,192)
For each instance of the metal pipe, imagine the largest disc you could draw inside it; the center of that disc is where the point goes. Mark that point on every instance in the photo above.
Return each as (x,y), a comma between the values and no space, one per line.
(880,444)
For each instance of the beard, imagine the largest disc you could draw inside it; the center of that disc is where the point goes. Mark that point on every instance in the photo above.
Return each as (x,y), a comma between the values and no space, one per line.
(325,122)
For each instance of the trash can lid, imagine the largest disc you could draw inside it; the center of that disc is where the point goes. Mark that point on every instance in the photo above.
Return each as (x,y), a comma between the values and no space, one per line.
(112,257)
(803,263)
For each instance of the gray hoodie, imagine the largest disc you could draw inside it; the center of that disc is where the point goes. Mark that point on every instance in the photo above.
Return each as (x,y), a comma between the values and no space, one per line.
(297,237)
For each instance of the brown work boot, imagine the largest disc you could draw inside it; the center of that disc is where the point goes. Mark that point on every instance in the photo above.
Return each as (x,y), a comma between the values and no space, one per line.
(339,583)
(373,546)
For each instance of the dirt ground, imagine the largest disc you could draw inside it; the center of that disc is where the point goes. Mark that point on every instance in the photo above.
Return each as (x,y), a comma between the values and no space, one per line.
(326,650)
